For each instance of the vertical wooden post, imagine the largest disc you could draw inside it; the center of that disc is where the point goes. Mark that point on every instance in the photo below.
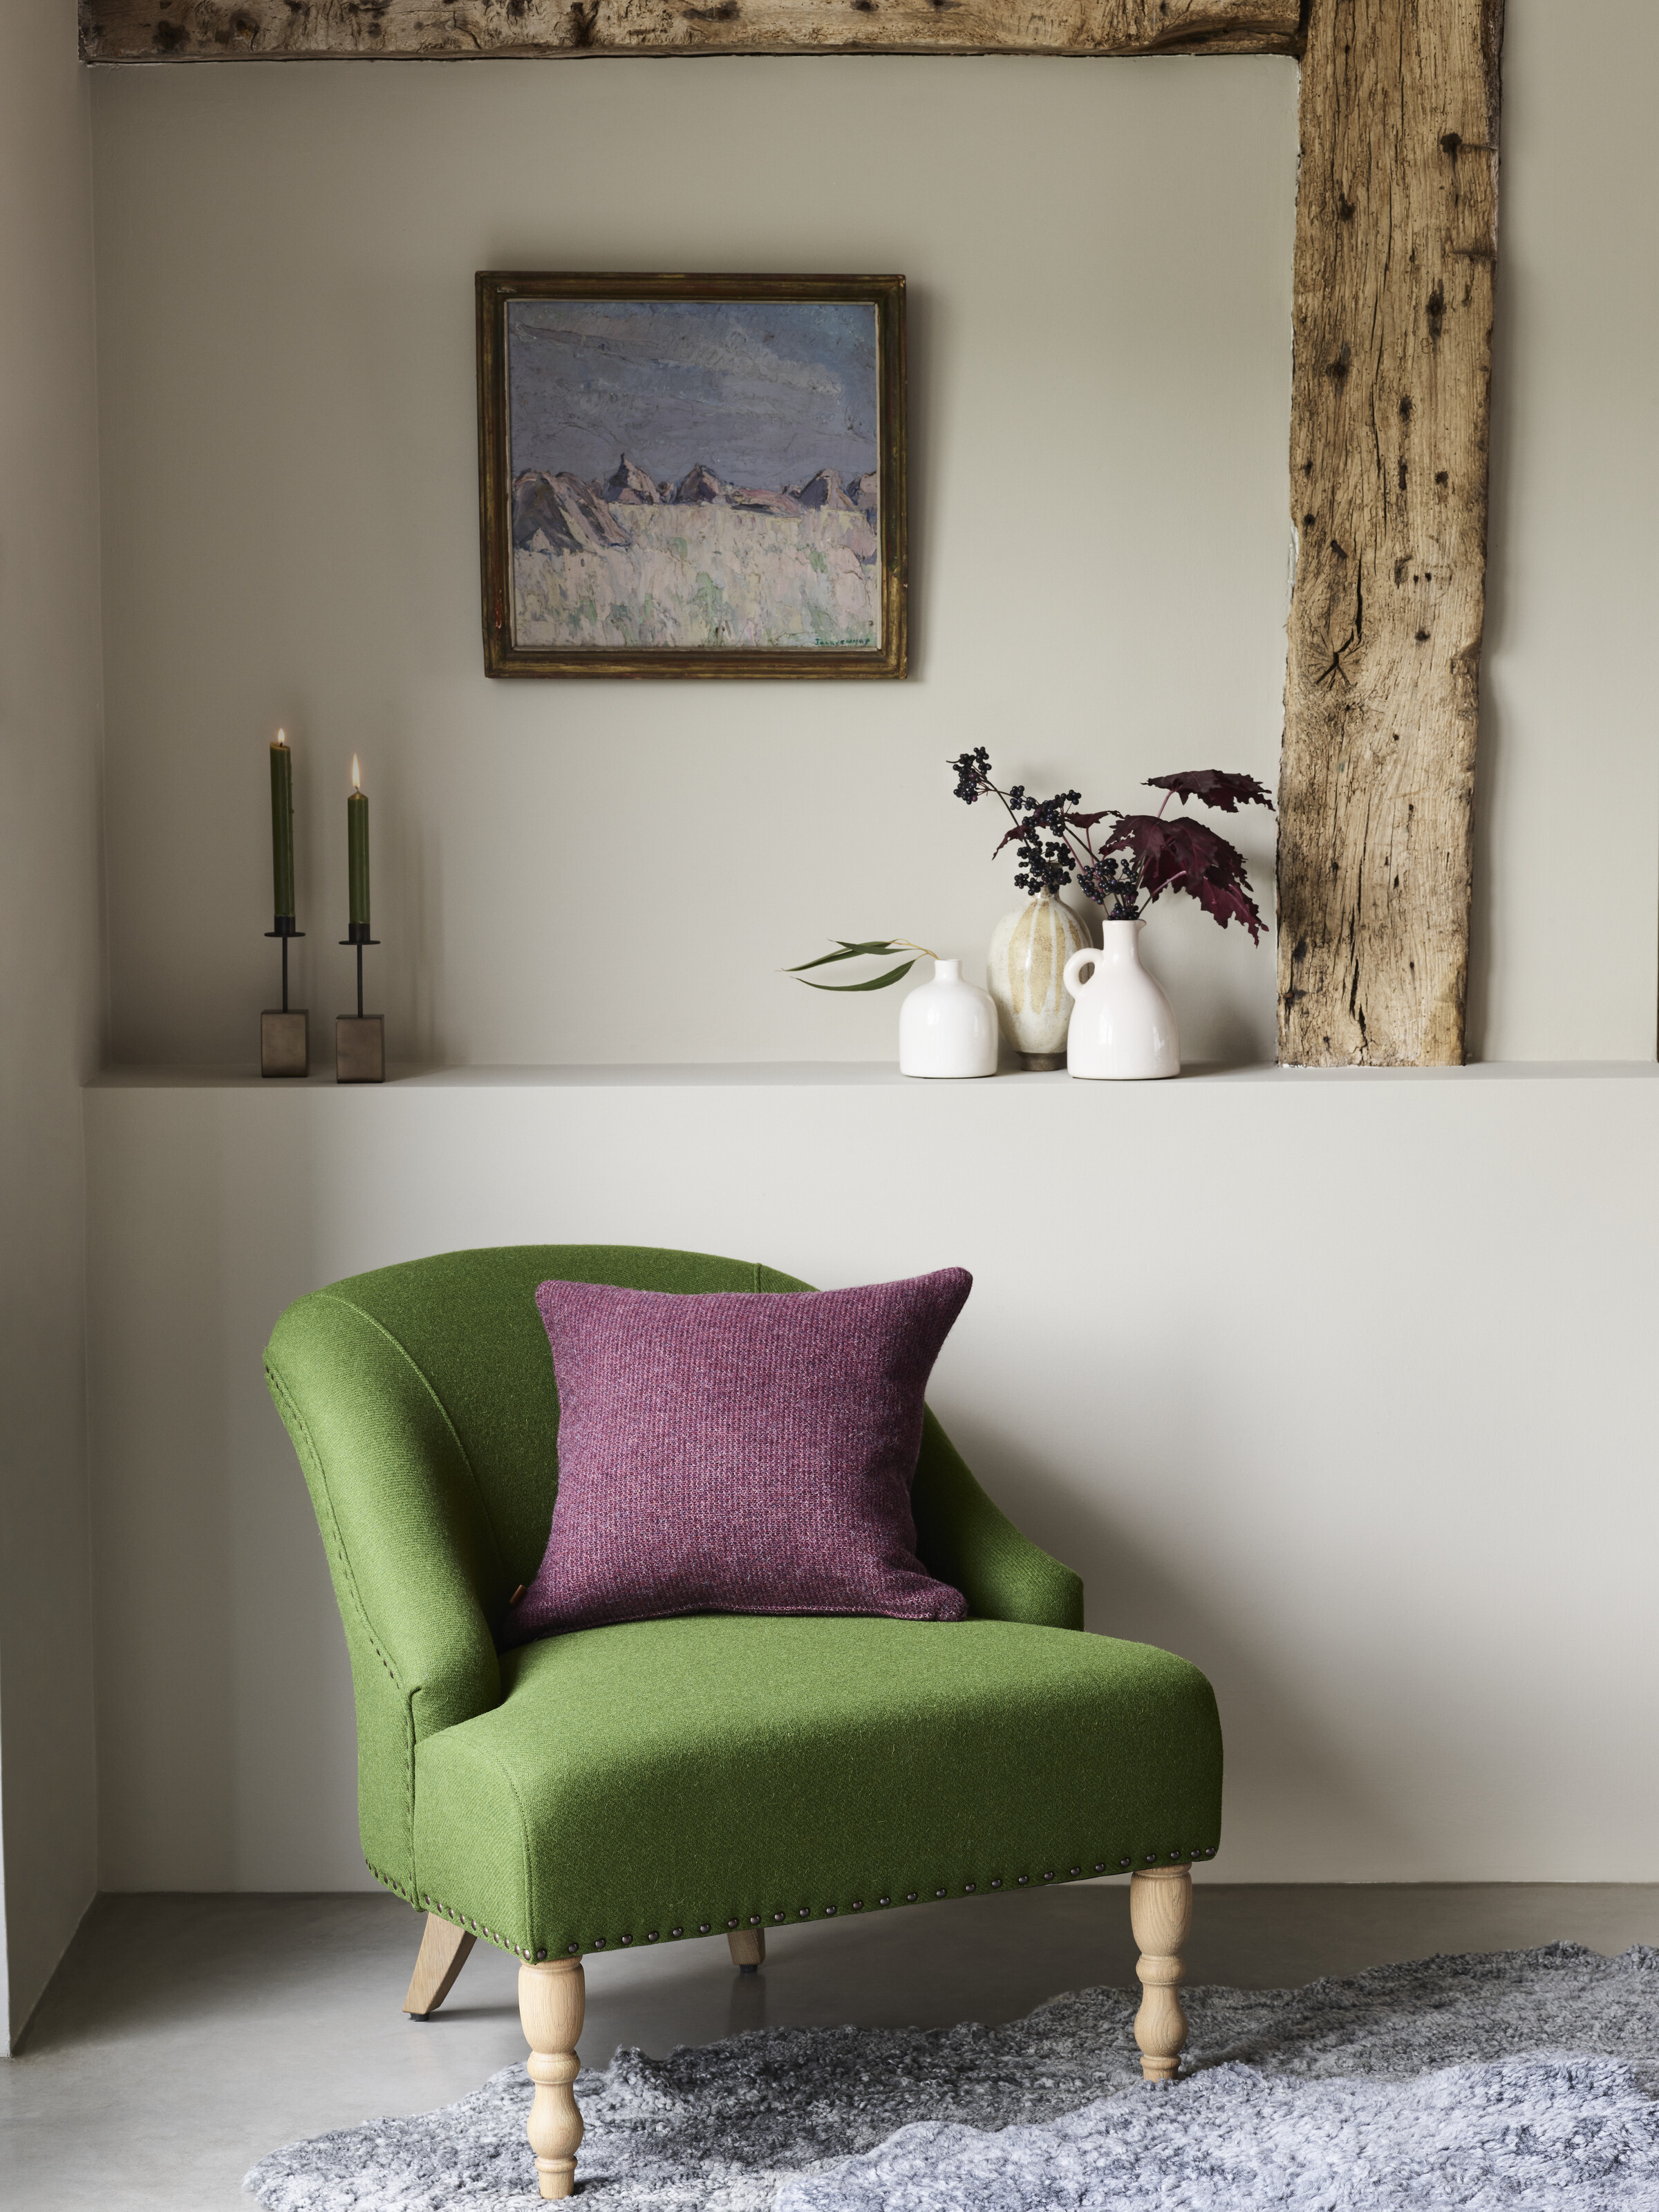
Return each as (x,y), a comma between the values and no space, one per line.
(1160,1914)
(551,1997)
(1395,257)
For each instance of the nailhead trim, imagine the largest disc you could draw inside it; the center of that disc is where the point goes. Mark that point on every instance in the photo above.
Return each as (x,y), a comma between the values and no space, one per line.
(756,1919)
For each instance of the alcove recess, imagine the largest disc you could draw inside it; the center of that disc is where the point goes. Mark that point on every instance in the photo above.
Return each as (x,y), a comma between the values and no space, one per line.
(1395,257)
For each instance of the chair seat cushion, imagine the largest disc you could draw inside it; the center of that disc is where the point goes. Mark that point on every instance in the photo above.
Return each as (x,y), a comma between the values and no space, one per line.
(666,1778)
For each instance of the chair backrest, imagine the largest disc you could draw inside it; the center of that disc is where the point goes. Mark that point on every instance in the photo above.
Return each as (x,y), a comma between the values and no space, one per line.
(468,1323)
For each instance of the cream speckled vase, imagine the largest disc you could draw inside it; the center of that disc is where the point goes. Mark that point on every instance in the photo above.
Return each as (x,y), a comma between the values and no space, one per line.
(1024,972)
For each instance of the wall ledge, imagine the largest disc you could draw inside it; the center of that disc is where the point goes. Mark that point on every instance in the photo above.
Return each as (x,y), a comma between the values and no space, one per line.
(845,1074)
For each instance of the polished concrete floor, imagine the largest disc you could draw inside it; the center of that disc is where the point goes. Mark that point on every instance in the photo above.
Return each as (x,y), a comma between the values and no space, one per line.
(184,2036)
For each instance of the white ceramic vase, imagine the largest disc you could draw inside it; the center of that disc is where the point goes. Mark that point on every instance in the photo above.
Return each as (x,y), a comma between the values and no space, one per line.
(947,1027)
(1123,1027)
(1025,974)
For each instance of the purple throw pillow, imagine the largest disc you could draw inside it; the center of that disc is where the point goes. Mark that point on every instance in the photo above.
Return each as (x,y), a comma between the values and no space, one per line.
(747,1451)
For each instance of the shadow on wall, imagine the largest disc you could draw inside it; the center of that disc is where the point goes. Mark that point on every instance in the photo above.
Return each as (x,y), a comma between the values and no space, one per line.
(1285,1768)
(929,345)
(1489,748)
(226,1752)
(164,1550)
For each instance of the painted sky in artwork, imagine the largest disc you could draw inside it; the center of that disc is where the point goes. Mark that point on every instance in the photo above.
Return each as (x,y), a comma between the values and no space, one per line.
(763,392)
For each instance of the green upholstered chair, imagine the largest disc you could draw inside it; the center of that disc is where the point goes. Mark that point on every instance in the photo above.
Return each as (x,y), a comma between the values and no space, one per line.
(719,1775)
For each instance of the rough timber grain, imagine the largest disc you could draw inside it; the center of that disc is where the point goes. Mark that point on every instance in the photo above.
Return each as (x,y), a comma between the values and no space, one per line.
(458,30)
(1395,257)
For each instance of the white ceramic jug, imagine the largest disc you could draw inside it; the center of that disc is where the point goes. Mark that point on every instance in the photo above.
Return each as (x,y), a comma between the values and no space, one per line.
(947,1027)
(1123,1027)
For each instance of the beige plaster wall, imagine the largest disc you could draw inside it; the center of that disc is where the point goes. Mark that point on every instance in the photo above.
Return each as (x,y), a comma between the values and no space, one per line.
(1099,264)
(1099,261)
(51,987)
(1564,961)
(1405,1524)
(1099,258)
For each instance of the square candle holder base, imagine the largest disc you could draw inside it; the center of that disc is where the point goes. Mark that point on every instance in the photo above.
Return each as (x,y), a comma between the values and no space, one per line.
(284,1042)
(360,1048)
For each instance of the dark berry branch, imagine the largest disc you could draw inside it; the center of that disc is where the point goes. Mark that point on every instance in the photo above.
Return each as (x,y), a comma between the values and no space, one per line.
(1145,855)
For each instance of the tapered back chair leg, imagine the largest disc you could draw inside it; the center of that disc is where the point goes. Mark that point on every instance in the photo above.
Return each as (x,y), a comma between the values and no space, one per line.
(444,1949)
(551,1997)
(748,1949)
(1160,1914)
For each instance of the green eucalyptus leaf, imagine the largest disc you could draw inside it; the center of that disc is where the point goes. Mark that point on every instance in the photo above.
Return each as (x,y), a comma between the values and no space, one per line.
(876,982)
(847,952)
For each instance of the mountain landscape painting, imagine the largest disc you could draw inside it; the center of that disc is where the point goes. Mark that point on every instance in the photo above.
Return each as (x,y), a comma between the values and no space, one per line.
(692,476)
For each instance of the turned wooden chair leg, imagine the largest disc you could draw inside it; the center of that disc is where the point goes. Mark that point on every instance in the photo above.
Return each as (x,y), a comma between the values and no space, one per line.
(748,1949)
(550,2001)
(1160,1914)
(444,1949)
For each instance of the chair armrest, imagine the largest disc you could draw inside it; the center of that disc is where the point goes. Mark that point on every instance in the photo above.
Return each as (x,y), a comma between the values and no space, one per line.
(972,1544)
(408,1541)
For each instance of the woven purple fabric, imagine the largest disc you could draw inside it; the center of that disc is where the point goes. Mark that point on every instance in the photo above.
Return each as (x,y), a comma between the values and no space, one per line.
(738,1452)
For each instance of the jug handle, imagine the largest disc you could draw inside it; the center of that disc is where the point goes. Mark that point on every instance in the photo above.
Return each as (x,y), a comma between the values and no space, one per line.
(1086,955)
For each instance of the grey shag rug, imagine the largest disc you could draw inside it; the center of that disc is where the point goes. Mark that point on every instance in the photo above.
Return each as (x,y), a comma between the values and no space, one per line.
(1525,2080)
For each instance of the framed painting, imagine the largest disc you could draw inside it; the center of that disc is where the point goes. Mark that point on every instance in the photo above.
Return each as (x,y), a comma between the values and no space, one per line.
(692,476)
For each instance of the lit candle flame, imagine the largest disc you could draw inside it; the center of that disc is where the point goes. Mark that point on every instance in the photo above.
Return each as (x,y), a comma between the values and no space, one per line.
(356,773)
(282,740)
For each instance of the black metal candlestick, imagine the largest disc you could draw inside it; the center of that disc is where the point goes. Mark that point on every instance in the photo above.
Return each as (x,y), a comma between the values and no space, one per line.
(359,1038)
(284,1036)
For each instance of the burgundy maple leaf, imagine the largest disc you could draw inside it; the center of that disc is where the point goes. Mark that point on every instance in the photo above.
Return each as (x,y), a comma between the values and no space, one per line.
(1219,788)
(1183,855)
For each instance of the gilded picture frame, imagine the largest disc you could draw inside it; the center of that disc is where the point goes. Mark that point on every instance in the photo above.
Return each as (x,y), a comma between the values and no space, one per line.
(692,476)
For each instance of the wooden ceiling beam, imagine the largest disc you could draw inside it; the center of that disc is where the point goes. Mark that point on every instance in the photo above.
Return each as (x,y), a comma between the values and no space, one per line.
(475,30)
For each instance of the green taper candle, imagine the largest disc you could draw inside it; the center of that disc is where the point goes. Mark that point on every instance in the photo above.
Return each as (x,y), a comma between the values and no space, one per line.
(357,843)
(281,826)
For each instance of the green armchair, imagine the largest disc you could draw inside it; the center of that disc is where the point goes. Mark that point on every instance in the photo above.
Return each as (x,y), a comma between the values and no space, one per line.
(663,1780)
